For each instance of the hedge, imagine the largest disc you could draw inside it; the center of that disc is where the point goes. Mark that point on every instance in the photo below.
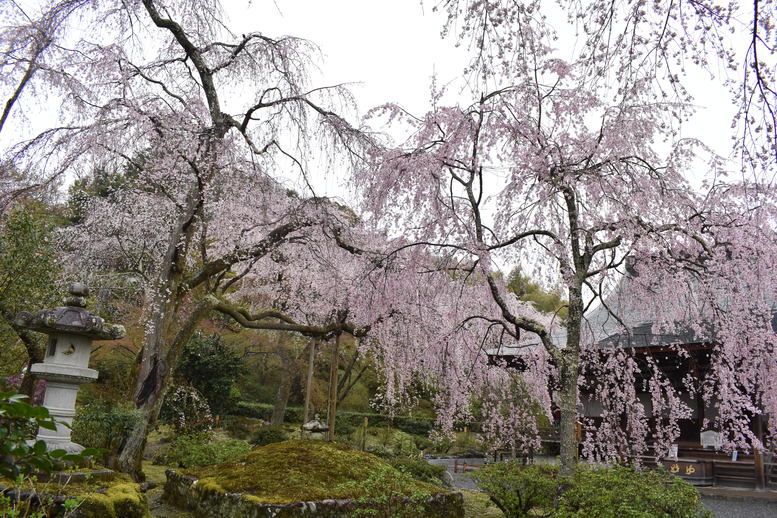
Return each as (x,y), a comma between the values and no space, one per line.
(407,424)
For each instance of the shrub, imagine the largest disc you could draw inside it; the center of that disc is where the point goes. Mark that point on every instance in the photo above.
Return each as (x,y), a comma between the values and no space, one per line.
(212,368)
(623,492)
(593,492)
(344,428)
(419,469)
(200,449)
(264,411)
(519,491)
(187,410)
(411,425)
(98,425)
(268,435)
(385,494)
(241,427)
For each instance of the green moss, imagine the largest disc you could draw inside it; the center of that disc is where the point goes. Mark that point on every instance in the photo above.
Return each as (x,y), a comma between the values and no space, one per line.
(294,471)
(119,501)
(155,475)
(115,496)
(478,505)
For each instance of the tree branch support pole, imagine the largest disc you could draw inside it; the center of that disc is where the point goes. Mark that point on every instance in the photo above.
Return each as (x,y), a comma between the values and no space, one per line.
(333,364)
(309,382)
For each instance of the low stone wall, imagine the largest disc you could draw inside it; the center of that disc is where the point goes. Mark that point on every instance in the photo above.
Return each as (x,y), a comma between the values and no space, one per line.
(183,491)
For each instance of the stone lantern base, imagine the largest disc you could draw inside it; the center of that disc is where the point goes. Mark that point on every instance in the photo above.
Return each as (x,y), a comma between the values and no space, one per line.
(61,390)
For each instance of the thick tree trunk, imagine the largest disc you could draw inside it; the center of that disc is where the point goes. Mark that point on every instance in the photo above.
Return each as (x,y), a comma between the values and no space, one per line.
(333,367)
(568,425)
(159,357)
(309,382)
(129,456)
(569,371)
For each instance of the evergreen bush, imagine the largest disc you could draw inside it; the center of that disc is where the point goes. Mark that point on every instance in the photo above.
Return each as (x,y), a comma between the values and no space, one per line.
(623,492)
(593,492)
(268,435)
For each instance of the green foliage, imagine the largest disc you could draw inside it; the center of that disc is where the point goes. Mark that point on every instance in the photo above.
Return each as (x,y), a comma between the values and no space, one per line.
(187,410)
(114,385)
(17,457)
(241,427)
(28,266)
(525,289)
(31,504)
(419,469)
(385,442)
(101,425)
(211,367)
(268,435)
(200,449)
(593,492)
(384,494)
(478,505)
(28,274)
(622,492)
(519,491)
(354,420)
(101,184)
(114,496)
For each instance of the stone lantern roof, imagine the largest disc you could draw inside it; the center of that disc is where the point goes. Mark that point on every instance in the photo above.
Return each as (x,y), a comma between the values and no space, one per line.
(72,318)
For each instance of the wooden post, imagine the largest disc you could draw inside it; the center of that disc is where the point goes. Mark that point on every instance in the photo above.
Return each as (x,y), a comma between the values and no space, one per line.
(333,364)
(758,460)
(309,382)
(455,466)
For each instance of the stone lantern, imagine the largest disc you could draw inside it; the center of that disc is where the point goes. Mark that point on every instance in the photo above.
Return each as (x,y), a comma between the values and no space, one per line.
(71,330)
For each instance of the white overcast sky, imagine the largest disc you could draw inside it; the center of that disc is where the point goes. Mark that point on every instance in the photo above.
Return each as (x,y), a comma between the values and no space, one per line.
(390,50)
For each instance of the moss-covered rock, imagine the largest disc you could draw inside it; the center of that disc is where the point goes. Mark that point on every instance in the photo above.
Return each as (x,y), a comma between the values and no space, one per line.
(307,478)
(113,496)
(123,500)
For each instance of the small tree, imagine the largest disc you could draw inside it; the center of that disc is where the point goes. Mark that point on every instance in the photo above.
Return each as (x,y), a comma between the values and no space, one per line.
(211,367)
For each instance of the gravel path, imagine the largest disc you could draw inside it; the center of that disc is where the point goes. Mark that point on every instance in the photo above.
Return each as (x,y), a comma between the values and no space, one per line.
(726,508)
(459,480)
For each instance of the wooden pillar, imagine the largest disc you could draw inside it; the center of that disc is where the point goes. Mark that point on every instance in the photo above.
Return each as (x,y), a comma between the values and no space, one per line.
(760,478)
(309,382)
(333,364)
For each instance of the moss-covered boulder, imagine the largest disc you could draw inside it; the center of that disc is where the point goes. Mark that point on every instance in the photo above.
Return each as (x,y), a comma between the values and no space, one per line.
(111,496)
(308,479)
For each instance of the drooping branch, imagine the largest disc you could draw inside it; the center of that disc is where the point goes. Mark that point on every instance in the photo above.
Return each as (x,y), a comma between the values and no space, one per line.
(277,236)
(272,320)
